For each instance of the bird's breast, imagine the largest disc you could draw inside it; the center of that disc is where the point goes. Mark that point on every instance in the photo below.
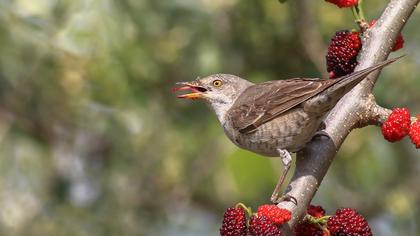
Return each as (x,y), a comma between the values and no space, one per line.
(290,131)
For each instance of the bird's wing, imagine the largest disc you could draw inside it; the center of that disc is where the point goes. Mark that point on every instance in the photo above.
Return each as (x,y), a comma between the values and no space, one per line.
(263,102)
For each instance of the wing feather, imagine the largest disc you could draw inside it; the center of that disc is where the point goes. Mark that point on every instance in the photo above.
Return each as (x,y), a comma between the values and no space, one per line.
(263,102)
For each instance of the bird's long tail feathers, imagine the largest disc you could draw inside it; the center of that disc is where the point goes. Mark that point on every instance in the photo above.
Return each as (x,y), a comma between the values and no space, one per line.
(343,85)
(358,76)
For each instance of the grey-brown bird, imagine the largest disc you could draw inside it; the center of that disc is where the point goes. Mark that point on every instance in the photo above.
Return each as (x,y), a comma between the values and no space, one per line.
(276,117)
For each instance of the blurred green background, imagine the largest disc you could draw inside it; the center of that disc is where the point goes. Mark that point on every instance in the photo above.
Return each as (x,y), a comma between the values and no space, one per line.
(92,142)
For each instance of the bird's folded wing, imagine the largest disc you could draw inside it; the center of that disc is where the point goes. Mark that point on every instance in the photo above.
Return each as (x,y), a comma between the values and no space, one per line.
(263,102)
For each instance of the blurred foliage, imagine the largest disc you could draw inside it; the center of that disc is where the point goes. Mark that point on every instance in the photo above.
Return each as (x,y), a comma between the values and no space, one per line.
(93,143)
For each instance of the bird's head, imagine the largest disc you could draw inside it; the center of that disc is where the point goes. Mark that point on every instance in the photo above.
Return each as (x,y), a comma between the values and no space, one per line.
(220,90)
(215,89)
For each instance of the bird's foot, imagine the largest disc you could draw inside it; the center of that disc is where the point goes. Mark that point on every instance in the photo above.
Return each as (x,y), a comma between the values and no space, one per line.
(277,198)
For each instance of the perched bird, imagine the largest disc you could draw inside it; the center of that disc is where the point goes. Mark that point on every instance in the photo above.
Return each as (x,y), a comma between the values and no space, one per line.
(276,117)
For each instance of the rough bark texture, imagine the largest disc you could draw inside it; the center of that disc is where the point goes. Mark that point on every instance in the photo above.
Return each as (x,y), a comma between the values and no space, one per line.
(357,109)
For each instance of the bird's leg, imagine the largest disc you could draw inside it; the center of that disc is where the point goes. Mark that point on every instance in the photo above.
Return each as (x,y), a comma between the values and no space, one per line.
(286,158)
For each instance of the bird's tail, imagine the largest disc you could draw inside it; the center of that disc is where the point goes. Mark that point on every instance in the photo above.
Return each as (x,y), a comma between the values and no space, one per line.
(356,77)
(344,84)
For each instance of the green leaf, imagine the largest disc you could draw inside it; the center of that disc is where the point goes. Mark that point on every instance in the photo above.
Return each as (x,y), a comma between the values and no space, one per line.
(282,1)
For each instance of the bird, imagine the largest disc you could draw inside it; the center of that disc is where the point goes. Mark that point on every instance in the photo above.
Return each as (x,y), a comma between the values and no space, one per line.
(273,118)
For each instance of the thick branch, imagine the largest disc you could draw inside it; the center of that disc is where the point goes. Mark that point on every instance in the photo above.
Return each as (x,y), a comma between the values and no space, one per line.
(313,162)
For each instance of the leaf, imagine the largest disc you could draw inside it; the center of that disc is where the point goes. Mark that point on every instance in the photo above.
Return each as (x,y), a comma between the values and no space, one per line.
(282,1)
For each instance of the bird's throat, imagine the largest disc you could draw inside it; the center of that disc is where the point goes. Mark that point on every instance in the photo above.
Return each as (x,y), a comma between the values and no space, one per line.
(221,110)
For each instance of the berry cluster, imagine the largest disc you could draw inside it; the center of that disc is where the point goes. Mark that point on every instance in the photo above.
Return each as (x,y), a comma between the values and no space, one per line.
(342,53)
(261,225)
(345,222)
(265,222)
(234,222)
(275,214)
(343,50)
(345,45)
(398,125)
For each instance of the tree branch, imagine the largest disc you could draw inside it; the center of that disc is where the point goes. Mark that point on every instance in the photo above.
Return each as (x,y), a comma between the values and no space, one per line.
(355,109)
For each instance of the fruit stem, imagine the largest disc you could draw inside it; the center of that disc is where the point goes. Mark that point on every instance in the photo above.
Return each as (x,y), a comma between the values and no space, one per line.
(353,11)
(321,220)
(247,209)
(358,12)
(359,8)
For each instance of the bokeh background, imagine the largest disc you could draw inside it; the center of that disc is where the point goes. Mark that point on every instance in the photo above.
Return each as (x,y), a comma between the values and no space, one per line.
(92,142)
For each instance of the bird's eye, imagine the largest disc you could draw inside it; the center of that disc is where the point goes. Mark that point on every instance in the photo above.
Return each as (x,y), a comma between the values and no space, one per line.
(217,83)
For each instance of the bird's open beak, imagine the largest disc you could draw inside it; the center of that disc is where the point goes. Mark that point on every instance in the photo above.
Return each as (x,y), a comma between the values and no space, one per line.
(196,91)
